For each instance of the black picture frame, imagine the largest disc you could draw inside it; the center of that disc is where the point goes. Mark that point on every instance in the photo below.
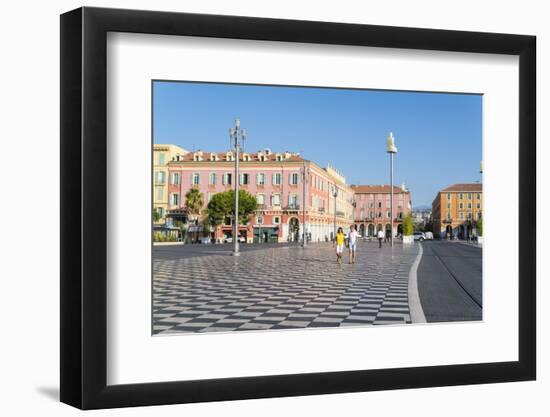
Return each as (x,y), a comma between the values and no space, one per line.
(84,207)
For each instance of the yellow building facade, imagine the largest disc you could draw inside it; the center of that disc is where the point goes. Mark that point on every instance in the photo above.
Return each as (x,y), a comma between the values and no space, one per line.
(457,209)
(162,154)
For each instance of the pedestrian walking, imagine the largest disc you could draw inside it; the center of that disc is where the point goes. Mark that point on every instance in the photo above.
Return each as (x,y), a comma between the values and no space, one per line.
(380,237)
(352,243)
(339,244)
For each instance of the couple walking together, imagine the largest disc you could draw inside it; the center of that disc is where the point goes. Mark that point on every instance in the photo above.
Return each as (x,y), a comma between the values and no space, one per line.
(352,243)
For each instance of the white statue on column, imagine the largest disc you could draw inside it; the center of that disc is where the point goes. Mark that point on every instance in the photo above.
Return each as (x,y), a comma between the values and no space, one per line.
(391,148)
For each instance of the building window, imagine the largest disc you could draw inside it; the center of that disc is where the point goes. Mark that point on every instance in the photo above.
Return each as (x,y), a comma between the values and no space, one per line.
(461,196)
(276,220)
(293,200)
(195,179)
(176,178)
(197,157)
(160,211)
(448,216)
(293,179)
(244,179)
(213,178)
(229,156)
(478,205)
(448,204)
(160,193)
(379,204)
(379,214)
(279,157)
(226,179)
(175,199)
(159,177)
(461,216)
(162,158)
(461,206)
(478,196)
(262,157)
(479,215)
(277,177)
(259,220)
(400,215)
(448,196)
(469,196)
(276,199)
(388,214)
(469,205)
(260,178)
(246,157)
(260,199)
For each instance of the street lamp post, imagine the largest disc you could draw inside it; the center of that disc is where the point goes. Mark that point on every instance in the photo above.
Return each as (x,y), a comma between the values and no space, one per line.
(235,143)
(391,149)
(305,175)
(335,195)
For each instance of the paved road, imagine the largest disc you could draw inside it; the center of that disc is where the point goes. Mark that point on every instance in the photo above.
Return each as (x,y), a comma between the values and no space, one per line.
(204,289)
(450,281)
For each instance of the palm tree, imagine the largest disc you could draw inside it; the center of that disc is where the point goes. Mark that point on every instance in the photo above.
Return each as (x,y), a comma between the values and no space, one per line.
(194,200)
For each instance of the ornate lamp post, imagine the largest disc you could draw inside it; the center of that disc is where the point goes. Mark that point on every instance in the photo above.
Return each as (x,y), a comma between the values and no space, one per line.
(236,141)
(391,149)
(305,175)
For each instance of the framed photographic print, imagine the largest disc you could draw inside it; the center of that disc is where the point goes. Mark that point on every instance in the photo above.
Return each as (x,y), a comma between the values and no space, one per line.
(257,208)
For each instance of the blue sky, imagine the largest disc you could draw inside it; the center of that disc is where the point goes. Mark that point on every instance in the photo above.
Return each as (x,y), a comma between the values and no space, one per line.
(438,136)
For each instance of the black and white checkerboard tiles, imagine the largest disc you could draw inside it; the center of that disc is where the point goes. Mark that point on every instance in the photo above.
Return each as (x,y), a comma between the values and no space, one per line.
(282,288)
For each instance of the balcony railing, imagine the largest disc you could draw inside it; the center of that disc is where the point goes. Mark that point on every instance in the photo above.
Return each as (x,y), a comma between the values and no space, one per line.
(292,207)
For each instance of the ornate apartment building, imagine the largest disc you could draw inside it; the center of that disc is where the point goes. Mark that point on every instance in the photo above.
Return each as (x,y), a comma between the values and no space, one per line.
(372,208)
(456,210)
(277,181)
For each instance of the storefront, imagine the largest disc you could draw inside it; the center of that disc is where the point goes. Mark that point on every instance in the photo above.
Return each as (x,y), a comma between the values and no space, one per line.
(266,234)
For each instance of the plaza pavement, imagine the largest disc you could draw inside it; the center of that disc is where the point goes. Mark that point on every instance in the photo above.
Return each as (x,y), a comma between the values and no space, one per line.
(201,288)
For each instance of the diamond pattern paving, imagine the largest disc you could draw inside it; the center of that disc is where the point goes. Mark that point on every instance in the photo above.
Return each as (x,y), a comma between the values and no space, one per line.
(281,288)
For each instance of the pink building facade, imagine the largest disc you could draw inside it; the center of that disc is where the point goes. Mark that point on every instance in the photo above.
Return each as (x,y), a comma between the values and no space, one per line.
(277,182)
(372,208)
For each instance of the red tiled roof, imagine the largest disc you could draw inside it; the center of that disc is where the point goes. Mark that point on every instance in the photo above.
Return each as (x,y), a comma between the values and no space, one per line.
(464,187)
(254,157)
(366,189)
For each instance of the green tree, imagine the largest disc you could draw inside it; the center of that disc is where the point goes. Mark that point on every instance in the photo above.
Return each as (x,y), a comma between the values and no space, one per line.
(408,225)
(222,205)
(194,200)
(156,216)
(479,227)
